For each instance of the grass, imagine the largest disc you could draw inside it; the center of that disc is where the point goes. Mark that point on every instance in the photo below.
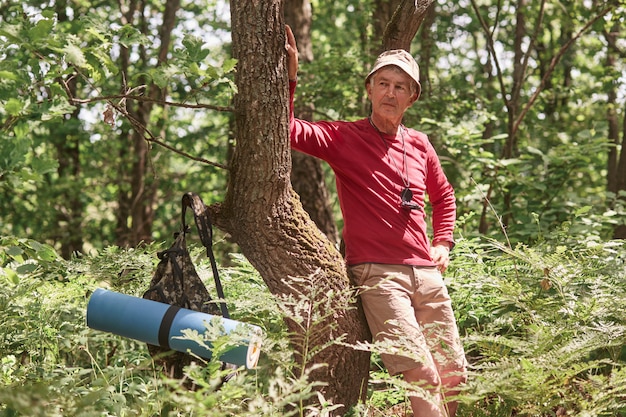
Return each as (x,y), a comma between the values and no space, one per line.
(544,329)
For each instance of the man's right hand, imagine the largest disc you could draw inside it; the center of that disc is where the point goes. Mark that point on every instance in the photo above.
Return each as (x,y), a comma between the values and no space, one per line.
(292,54)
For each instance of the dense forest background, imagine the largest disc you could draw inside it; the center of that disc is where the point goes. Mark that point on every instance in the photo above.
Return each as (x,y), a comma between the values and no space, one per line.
(110,111)
(524,102)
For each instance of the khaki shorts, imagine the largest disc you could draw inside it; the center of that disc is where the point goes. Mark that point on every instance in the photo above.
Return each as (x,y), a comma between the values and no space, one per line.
(409,310)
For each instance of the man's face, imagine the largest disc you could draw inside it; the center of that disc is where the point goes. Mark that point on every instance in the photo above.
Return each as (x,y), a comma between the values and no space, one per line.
(390,93)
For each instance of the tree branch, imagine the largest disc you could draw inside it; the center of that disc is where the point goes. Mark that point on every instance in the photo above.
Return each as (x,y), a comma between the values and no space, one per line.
(148,135)
(152,100)
(404,24)
(553,64)
(492,51)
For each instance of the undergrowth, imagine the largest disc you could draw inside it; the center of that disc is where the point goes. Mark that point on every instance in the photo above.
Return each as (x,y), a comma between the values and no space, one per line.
(544,328)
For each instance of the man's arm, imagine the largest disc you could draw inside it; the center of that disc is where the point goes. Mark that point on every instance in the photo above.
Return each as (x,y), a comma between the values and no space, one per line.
(443,202)
(292,54)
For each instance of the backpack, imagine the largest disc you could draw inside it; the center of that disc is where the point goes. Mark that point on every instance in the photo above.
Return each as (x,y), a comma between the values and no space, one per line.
(176,282)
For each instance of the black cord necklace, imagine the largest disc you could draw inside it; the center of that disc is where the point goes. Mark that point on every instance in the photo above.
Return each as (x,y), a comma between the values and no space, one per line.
(406,195)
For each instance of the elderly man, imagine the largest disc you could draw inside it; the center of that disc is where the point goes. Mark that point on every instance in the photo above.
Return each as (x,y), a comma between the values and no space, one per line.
(383,170)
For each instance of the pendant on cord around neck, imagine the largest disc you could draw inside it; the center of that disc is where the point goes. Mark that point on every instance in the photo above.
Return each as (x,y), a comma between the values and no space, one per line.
(406,196)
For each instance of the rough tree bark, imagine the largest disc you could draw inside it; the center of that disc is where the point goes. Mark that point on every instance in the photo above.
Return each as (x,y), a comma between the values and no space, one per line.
(381,16)
(262,212)
(264,215)
(404,23)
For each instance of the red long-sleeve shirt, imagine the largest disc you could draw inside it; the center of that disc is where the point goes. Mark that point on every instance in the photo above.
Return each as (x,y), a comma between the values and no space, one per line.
(376,229)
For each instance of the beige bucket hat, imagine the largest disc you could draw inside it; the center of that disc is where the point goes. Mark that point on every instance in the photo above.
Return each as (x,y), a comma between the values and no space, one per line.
(400,58)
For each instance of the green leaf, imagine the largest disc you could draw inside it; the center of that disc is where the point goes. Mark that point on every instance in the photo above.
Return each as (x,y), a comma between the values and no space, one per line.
(229,65)
(533,150)
(507,162)
(129,35)
(194,46)
(58,109)
(14,251)
(103,61)
(21,130)
(42,165)
(212,72)
(14,106)
(11,32)
(194,68)
(8,75)
(74,55)
(41,30)
(582,211)
(159,78)
(12,275)
(26,268)
(162,75)
(47,253)
(43,251)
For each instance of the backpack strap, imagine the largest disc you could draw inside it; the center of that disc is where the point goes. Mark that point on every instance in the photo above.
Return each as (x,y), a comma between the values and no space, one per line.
(205,230)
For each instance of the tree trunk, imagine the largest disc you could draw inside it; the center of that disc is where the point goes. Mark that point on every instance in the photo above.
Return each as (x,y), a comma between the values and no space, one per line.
(404,23)
(70,206)
(381,16)
(427,46)
(69,203)
(138,202)
(265,217)
(620,178)
(616,164)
